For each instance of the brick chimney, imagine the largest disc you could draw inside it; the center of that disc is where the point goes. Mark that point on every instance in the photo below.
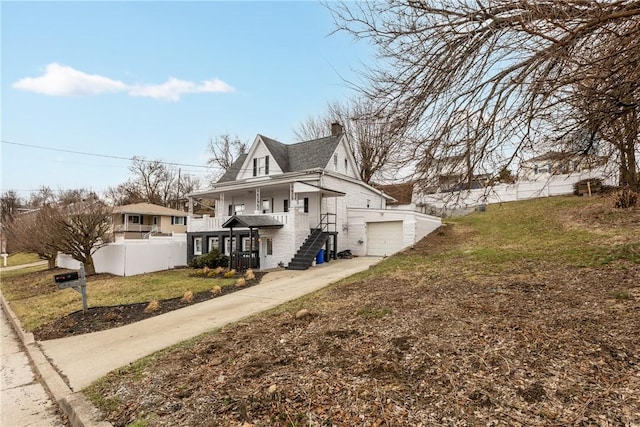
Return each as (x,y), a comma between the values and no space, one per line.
(336,129)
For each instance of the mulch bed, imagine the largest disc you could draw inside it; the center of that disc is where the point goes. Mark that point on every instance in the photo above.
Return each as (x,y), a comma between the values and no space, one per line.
(101,318)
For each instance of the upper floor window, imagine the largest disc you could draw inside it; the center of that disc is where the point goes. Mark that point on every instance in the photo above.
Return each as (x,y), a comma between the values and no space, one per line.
(261,166)
(335,162)
(345,166)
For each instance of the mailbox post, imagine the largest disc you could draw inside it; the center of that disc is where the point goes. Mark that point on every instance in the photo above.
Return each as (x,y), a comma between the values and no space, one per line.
(75,281)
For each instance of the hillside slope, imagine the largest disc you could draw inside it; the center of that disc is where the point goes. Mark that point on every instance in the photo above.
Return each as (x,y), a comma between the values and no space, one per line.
(526,314)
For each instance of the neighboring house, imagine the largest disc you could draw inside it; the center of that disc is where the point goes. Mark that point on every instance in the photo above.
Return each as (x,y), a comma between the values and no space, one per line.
(141,220)
(449,174)
(280,205)
(557,163)
(402,194)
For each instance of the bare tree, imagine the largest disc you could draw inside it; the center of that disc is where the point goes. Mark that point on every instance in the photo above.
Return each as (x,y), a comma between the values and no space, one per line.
(495,77)
(224,149)
(78,229)
(373,136)
(9,204)
(27,233)
(75,222)
(152,181)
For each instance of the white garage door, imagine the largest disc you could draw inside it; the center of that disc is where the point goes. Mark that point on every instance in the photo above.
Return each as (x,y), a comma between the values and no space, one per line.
(384,238)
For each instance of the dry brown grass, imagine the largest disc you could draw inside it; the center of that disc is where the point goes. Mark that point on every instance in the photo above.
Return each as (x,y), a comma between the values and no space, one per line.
(507,317)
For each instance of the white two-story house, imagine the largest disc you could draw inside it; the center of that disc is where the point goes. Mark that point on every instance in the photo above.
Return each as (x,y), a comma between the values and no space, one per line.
(283,204)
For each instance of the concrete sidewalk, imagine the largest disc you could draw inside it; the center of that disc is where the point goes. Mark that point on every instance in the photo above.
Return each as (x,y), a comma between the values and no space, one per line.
(85,358)
(18,267)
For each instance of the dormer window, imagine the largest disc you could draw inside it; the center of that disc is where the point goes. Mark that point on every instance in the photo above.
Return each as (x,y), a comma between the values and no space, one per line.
(261,166)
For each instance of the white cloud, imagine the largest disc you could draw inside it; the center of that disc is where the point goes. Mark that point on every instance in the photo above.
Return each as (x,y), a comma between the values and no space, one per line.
(61,80)
(173,88)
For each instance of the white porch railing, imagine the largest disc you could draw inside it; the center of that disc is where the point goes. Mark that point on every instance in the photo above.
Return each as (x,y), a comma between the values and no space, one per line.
(207,223)
(121,228)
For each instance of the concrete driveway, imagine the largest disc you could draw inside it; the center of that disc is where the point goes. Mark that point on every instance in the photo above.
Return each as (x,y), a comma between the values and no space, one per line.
(85,358)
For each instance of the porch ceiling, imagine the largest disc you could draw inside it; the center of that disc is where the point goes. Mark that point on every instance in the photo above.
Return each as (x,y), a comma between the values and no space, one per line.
(252,221)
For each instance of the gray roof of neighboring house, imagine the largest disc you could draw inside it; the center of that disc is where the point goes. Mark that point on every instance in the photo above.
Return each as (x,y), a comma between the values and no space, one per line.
(301,156)
(147,209)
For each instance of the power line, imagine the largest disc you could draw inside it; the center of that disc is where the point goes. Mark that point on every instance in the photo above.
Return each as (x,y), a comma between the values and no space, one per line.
(108,156)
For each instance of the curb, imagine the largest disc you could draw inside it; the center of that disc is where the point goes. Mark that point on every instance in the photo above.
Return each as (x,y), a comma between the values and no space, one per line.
(76,406)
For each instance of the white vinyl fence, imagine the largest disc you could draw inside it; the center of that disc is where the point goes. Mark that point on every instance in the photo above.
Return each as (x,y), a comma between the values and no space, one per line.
(462,202)
(133,256)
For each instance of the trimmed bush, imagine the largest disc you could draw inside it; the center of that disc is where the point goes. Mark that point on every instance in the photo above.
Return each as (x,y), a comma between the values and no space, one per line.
(213,259)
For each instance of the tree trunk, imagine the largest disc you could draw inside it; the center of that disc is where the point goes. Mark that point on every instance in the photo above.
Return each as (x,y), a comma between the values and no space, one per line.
(89,267)
(51,262)
(628,171)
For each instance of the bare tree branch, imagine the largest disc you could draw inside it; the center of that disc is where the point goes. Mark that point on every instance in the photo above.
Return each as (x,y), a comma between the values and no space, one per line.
(504,74)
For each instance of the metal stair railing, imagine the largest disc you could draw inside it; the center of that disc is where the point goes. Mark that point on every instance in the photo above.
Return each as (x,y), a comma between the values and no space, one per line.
(154,229)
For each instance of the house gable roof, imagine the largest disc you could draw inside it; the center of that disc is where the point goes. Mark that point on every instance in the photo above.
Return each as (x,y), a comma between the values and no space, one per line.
(147,209)
(313,154)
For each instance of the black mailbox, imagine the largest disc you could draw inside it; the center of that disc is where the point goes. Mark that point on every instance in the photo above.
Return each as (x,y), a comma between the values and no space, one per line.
(66,277)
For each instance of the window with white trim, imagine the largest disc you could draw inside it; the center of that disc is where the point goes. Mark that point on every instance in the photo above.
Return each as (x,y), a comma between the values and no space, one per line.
(335,162)
(261,166)
(197,246)
(178,220)
(214,243)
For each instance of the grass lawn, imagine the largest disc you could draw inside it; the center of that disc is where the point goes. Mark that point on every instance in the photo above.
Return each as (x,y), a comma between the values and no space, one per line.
(36,299)
(20,258)
(526,314)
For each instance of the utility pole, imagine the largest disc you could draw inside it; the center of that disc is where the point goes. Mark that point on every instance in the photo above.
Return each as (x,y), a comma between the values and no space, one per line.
(178,192)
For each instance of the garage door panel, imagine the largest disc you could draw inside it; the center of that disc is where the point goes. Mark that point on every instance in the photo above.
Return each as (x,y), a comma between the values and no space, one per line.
(384,238)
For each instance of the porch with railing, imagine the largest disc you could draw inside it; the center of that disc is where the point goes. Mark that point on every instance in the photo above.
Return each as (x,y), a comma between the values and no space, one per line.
(244,260)
(131,227)
(208,223)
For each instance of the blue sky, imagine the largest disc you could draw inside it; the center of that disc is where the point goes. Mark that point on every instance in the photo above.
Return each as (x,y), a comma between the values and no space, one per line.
(158,80)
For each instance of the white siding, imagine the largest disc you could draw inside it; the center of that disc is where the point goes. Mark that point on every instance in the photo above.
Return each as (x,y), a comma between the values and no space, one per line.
(415,226)
(258,150)
(343,153)
(283,248)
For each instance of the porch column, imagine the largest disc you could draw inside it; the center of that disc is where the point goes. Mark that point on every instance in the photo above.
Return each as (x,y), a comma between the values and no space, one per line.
(258,210)
(251,247)
(293,198)
(230,248)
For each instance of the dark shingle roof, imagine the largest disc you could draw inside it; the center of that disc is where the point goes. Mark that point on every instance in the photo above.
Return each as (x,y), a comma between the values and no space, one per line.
(311,154)
(252,221)
(278,151)
(301,156)
(232,172)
